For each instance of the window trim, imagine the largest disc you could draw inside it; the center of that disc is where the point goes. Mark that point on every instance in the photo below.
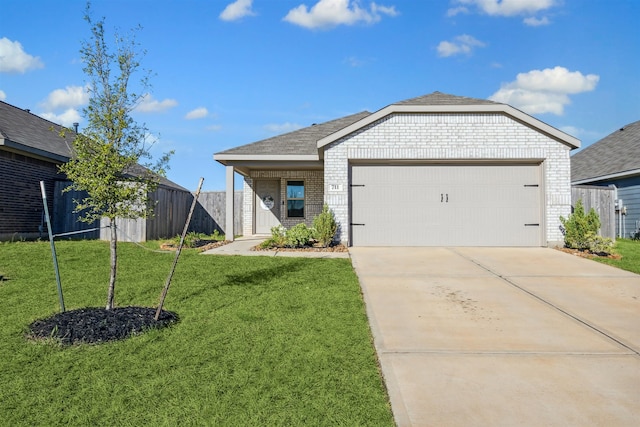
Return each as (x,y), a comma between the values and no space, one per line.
(303,198)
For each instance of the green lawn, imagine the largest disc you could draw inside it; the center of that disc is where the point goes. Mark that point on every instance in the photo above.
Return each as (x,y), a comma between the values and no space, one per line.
(630,251)
(261,341)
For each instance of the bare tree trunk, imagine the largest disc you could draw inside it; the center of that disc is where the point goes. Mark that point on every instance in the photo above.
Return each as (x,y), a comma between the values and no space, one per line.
(114,263)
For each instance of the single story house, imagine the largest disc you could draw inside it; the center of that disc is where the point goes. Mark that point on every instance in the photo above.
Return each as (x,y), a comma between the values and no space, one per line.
(614,160)
(436,170)
(31,150)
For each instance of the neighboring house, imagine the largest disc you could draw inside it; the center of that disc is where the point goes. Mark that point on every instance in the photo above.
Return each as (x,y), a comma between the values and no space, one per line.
(614,160)
(436,170)
(31,150)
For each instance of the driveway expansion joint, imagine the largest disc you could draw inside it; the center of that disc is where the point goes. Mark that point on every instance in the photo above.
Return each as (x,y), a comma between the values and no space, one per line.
(549,303)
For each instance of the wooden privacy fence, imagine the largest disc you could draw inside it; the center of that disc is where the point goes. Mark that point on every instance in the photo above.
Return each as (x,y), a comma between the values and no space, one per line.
(171,209)
(602,200)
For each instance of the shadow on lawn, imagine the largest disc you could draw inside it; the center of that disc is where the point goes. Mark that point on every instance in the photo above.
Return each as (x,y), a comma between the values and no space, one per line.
(258,278)
(263,276)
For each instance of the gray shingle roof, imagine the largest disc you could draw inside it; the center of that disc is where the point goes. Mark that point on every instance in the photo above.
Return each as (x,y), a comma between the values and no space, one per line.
(616,153)
(303,141)
(23,130)
(300,142)
(439,98)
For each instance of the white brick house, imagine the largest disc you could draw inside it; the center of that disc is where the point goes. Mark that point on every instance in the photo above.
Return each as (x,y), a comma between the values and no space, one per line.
(437,170)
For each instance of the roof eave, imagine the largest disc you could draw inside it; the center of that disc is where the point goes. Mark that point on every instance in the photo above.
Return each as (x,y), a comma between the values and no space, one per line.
(15,146)
(224,158)
(616,175)
(557,134)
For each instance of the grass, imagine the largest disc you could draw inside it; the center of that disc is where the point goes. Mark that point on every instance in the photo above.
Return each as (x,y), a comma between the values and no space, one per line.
(261,341)
(630,251)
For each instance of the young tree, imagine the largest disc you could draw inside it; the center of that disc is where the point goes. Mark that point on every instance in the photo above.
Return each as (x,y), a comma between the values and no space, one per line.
(107,154)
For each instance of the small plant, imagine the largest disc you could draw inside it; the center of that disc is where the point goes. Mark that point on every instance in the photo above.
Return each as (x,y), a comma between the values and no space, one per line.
(325,226)
(190,240)
(277,240)
(298,236)
(579,226)
(581,232)
(599,245)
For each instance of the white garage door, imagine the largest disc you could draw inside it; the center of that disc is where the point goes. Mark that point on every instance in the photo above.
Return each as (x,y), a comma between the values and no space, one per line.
(446,205)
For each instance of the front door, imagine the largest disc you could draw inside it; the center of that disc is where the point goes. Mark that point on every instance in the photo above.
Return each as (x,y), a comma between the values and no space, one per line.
(267,205)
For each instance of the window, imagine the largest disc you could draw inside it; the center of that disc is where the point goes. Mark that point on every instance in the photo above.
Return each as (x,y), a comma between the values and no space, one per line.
(295,199)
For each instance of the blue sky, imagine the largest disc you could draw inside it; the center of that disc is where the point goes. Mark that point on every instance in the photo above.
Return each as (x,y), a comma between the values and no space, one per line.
(228,73)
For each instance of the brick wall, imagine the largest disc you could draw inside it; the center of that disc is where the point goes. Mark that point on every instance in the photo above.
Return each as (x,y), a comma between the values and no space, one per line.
(20,197)
(314,195)
(451,137)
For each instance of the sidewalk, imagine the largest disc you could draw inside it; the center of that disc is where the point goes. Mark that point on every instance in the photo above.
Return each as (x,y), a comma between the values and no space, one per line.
(243,245)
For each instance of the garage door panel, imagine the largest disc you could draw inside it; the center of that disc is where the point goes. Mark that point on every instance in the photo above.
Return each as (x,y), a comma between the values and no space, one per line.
(420,205)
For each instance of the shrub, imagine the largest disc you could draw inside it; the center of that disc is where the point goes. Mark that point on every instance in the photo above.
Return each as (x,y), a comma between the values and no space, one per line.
(278,238)
(298,236)
(599,245)
(325,226)
(581,232)
(578,226)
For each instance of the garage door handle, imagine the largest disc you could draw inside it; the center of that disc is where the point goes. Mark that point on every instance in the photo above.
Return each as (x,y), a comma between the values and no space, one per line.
(442,198)
(356,224)
(532,225)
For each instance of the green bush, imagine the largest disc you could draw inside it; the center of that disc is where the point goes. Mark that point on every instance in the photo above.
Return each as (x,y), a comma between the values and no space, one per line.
(278,238)
(581,231)
(325,226)
(298,236)
(599,245)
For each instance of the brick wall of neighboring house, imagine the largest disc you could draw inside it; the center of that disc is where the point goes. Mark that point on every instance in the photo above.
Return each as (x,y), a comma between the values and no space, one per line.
(451,137)
(21,209)
(314,196)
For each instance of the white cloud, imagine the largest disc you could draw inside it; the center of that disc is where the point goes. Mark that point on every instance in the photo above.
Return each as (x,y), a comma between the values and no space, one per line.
(283,127)
(3,95)
(507,7)
(463,44)
(69,97)
(545,91)
(535,22)
(237,10)
(67,118)
(13,58)
(330,13)
(214,128)
(150,105)
(581,133)
(355,62)
(198,113)
(457,10)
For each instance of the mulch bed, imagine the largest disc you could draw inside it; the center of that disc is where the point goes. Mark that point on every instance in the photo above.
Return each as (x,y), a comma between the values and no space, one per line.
(332,248)
(587,254)
(96,325)
(201,245)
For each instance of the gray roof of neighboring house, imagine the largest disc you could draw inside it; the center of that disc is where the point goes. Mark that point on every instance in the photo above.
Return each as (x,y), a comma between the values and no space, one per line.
(302,141)
(24,131)
(615,154)
(29,133)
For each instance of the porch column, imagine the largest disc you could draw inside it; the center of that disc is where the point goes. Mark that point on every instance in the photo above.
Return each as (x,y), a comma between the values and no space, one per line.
(229,215)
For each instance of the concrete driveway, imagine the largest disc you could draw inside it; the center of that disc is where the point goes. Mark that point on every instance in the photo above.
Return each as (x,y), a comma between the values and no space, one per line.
(503,336)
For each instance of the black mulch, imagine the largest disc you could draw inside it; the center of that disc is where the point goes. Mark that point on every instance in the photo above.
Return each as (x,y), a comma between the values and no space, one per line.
(95,325)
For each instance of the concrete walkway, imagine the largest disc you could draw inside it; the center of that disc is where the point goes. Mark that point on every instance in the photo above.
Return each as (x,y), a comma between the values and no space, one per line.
(243,245)
(503,336)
